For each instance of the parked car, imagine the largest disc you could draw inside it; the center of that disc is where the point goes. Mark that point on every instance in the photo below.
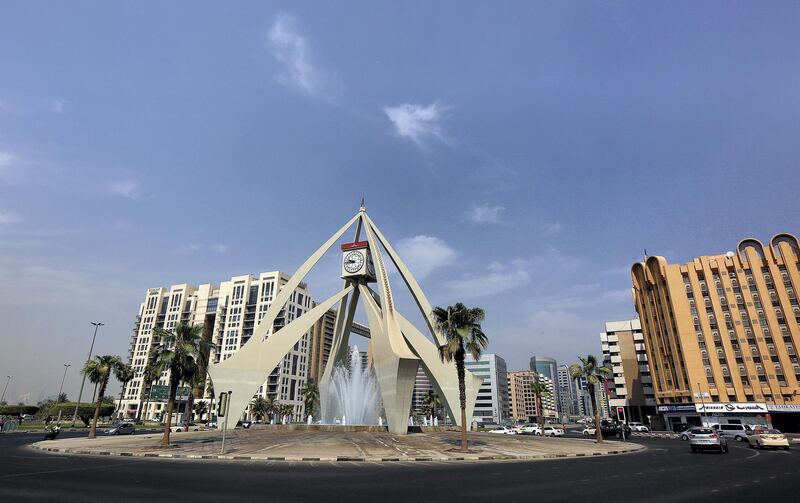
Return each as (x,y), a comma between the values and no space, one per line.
(701,439)
(768,437)
(122,429)
(530,429)
(611,429)
(680,427)
(638,427)
(552,431)
(589,431)
(504,430)
(736,431)
(181,427)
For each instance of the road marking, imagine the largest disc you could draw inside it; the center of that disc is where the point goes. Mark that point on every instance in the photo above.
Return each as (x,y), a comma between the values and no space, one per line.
(45,472)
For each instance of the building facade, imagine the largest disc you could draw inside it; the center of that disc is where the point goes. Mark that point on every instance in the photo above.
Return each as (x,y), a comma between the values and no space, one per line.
(721,333)
(322,341)
(548,367)
(631,386)
(522,401)
(228,313)
(492,404)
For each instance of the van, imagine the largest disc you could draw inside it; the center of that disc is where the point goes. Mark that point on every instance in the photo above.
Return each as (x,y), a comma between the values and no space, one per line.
(736,431)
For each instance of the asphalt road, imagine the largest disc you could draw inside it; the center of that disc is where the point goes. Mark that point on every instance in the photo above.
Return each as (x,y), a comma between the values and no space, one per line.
(666,471)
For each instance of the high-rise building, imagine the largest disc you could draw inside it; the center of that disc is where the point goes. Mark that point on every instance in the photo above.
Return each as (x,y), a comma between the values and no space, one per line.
(322,340)
(228,312)
(631,385)
(567,392)
(722,332)
(422,384)
(547,367)
(491,405)
(522,401)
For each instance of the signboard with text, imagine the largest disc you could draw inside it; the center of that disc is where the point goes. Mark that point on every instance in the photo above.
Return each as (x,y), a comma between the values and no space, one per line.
(159,393)
(732,408)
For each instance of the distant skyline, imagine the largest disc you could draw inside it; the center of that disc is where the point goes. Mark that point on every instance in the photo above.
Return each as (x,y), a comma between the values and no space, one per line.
(521,155)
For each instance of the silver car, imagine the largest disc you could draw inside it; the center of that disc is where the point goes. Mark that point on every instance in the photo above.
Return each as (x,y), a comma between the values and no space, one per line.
(701,439)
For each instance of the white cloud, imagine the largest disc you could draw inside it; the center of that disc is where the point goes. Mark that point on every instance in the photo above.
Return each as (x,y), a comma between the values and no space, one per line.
(485,214)
(424,254)
(6,159)
(498,278)
(292,50)
(8,218)
(553,228)
(417,123)
(58,106)
(192,248)
(126,188)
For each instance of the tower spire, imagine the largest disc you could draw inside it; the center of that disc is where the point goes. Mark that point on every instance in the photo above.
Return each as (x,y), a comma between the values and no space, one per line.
(362,207)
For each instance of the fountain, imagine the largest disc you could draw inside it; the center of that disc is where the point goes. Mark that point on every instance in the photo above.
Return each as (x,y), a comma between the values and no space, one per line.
(352,395)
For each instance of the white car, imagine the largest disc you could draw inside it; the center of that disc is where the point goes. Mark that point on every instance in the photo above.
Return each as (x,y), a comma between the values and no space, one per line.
(181,427)
(589,431)
(552,431)
(530,429)
(639,427)
(504,430)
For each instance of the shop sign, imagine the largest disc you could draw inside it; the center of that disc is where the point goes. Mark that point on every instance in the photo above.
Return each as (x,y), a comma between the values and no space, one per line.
(783,408)
(732,407)
(684,407)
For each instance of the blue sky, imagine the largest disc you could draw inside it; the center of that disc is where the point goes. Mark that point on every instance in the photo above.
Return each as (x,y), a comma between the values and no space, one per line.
(520,155)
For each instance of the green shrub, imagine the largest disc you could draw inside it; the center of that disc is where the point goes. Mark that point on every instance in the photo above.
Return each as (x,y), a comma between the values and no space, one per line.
(18,410)
(85,411)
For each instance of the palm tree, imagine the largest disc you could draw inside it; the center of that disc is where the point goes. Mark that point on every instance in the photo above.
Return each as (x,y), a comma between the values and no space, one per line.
(286,411)
(273,406)
(594,375)
(430,403)
(260,408)
(99,371)
(200,408)
(461,327)
(184,352)
(124,374)
(310,393)
(150,375)
(539,389)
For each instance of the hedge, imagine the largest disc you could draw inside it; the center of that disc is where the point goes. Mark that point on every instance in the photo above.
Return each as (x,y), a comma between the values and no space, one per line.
(18,410)
(85,411)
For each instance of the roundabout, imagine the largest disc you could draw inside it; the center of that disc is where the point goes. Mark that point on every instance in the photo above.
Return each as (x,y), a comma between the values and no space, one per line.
(339,444)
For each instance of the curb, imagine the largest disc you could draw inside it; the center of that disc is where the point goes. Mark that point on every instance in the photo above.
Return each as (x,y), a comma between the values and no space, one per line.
(360,459)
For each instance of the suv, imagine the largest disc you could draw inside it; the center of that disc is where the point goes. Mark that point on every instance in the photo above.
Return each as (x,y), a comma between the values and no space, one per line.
(736,431)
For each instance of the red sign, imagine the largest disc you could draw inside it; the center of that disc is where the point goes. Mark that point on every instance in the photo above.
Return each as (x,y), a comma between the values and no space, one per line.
(353,246)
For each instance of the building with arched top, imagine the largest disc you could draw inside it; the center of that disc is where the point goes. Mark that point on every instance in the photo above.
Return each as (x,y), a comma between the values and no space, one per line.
(721,334)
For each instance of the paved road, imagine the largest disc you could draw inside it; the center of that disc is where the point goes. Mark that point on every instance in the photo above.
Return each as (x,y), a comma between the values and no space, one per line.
(666,471)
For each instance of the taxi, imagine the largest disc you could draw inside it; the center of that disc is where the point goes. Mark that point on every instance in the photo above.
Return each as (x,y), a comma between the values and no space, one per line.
(768,437)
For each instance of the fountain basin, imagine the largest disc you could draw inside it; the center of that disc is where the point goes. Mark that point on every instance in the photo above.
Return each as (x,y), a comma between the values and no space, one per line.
(347,428)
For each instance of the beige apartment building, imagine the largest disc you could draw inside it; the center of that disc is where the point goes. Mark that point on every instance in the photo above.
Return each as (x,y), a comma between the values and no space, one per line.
(721,334)
(322,340)
(522,401)
(630,386)
(228,312)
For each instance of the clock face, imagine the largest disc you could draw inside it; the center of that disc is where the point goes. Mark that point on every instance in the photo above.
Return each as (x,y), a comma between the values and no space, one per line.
(353,261)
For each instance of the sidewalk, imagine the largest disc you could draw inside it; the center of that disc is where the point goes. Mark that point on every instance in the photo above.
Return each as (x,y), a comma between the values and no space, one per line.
(339,446)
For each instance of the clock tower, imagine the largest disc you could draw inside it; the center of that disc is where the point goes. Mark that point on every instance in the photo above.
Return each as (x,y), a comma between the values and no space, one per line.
(357,261)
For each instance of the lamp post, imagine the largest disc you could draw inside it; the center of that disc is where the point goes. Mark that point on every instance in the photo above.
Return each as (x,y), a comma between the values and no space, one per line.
(60,389)
(83,381)
(8,379)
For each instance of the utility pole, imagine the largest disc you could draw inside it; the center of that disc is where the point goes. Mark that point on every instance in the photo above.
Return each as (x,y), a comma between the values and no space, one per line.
(83,381)
(8,379)
(60,389)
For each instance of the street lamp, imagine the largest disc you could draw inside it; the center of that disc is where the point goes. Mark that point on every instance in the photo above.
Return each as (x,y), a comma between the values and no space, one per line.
(83,381)
(8,379)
